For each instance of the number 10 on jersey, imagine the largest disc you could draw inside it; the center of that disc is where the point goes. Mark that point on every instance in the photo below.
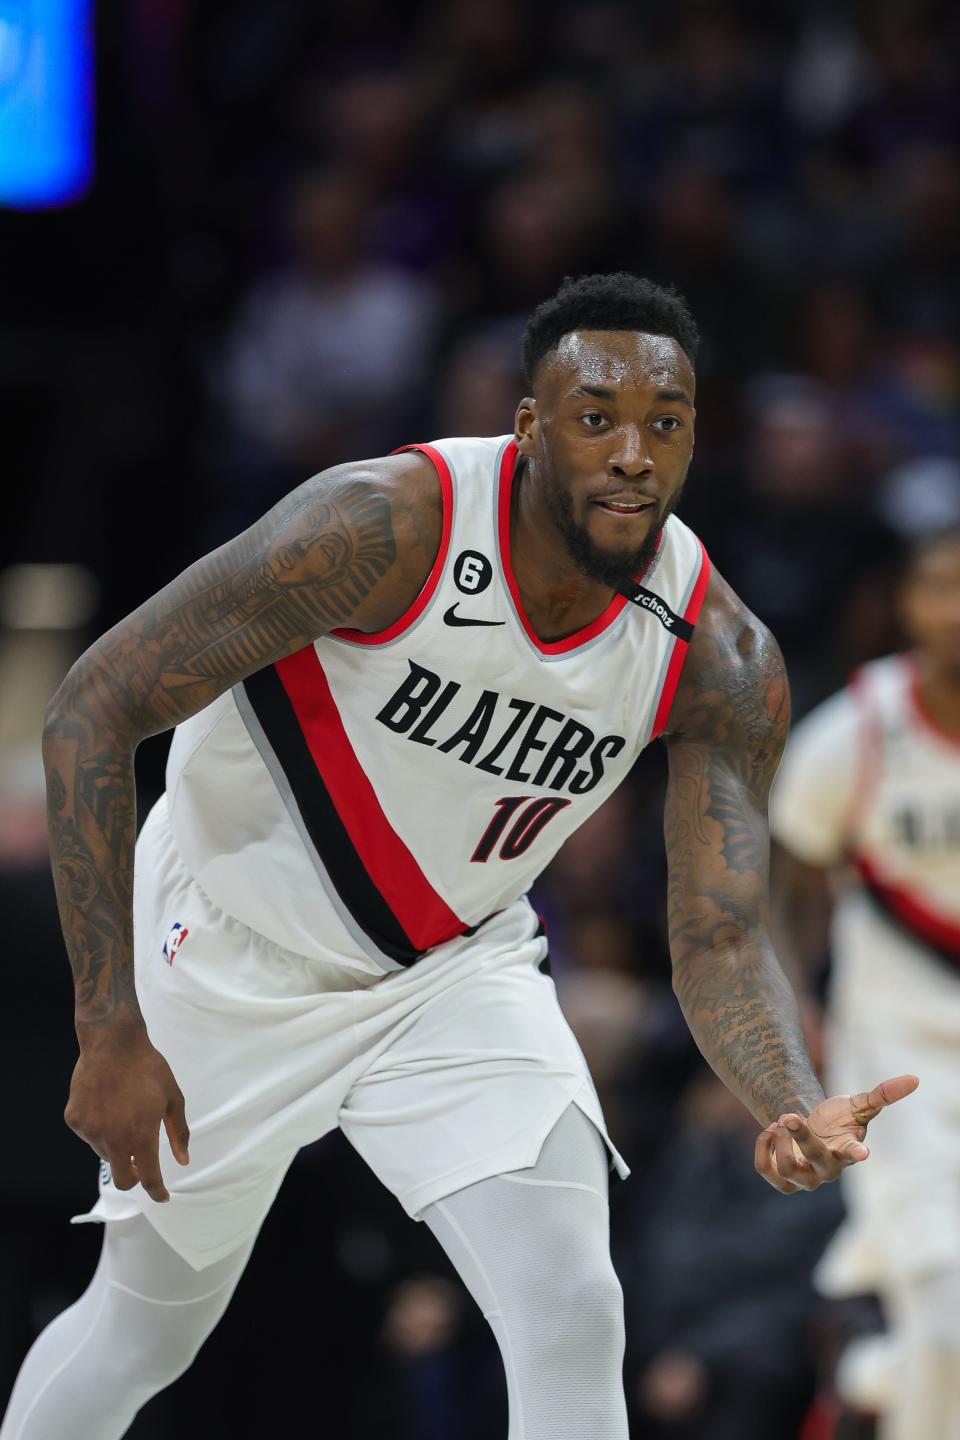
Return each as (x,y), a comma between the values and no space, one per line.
(517,821)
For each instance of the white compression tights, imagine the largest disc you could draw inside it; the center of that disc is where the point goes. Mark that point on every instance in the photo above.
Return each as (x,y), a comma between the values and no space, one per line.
(532,1247)
(136,1327)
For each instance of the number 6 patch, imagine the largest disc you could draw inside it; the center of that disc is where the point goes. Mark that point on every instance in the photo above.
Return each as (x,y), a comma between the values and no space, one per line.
(472,572)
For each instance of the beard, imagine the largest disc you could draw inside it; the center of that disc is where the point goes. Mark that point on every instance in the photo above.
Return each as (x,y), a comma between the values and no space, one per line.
(615,567)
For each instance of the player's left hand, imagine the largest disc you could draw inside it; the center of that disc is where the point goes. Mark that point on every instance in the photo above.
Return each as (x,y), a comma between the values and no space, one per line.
(802,1153)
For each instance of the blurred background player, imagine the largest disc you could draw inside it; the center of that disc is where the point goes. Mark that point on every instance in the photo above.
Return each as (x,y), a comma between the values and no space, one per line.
(867,803)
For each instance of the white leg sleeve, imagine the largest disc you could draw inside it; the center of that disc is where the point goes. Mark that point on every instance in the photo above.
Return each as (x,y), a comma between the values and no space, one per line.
(136,1328)
(533,1249)
(926,1318)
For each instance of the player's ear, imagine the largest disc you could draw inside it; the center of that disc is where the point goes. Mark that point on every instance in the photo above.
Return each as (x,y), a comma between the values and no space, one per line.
(526,427)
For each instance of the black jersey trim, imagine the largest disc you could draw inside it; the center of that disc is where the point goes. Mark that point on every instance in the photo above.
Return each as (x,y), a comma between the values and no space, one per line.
(327,832)
(656,605)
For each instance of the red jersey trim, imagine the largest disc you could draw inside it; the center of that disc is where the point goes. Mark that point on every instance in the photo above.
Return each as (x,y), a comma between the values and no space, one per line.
(680,647)
(546,647)
(917,916)
(380,637)
(425,916)
(870,758)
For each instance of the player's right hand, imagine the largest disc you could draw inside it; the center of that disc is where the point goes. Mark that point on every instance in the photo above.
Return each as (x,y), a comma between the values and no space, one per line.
(121,1092)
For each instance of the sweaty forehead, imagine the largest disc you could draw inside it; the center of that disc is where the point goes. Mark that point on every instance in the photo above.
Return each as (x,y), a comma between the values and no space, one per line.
(627,359)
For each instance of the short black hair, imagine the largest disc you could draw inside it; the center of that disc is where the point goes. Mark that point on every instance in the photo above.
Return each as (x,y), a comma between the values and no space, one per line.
(620,301)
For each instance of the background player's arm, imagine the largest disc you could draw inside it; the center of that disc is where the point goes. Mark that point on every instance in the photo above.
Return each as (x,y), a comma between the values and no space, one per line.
(814,809)
(727,730)
(801,906)
(350,547)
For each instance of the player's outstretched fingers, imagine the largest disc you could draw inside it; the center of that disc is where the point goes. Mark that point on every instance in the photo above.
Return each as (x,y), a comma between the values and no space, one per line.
(122,1172)
(790,1165)
(764,1164)
(867,1105)
(178,1131)
(821,1158)
(851,1151)
(145,1161)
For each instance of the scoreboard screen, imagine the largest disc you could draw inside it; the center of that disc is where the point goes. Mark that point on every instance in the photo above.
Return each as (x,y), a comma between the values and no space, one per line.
(46,102)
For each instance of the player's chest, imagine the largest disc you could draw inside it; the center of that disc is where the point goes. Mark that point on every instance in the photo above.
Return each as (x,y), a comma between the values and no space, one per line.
(912,811)
(447,704)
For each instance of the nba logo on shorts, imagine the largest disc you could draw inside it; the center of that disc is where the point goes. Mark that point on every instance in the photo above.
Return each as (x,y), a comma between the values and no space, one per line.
(178,933)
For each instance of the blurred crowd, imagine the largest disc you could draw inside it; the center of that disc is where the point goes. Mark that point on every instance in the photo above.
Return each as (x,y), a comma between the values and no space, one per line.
(316,233)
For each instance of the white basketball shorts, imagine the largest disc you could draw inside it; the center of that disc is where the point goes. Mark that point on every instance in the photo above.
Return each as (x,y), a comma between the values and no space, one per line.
(440,1075)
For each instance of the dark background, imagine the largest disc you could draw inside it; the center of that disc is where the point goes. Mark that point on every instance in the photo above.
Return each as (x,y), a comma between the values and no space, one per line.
(314,234)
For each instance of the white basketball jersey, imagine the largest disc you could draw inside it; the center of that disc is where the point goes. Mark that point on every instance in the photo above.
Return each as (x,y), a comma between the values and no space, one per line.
(905,822)
(376,795)
(870,781)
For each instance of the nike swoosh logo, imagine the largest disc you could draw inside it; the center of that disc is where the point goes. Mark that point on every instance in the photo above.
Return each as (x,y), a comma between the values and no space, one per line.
(450,617)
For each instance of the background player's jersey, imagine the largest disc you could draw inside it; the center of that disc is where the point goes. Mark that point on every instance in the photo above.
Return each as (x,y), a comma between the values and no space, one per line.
(868,779)
(375,796)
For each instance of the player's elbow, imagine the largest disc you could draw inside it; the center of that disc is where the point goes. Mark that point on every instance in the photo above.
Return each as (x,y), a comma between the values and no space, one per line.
(58,708)
(69,698)
(88,697)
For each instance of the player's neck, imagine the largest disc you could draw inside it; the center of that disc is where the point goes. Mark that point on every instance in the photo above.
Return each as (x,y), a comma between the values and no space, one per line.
(557,597)
(939,692)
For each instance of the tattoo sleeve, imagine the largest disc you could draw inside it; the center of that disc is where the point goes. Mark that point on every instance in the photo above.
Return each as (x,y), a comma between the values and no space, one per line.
(327,556)
(733,712)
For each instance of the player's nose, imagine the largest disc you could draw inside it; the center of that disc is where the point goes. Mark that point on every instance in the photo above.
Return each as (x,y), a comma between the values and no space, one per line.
(630,453)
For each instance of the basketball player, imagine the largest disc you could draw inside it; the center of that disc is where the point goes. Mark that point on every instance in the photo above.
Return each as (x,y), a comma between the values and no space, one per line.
(869,794)
(394,697)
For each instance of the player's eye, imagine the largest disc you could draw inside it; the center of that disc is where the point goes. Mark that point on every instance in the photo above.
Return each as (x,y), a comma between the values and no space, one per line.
(668,423)
(593,419)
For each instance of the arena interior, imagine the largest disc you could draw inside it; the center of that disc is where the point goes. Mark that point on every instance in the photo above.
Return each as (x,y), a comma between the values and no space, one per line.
(262,239)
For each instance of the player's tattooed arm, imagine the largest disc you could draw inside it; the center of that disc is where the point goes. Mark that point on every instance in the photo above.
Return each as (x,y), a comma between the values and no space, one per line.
(727,729)
(351,547)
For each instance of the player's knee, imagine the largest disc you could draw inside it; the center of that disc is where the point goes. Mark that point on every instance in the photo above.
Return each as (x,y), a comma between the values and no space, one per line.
(596,1300)
(578,1314)
(152,1345)
(173,1353)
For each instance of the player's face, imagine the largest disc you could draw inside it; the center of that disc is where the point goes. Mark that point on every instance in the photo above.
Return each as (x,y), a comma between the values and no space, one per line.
(930,603)
(610,438)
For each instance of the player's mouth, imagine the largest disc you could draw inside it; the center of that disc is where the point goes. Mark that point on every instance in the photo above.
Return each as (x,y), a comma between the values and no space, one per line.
(624,505)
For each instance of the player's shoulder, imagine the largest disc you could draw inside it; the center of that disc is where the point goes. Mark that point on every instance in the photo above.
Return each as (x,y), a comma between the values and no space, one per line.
(379,520)
(729,643)
(417,480)
(483,450)
(398,505)
(406,480)
(725,621)
(733,665)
